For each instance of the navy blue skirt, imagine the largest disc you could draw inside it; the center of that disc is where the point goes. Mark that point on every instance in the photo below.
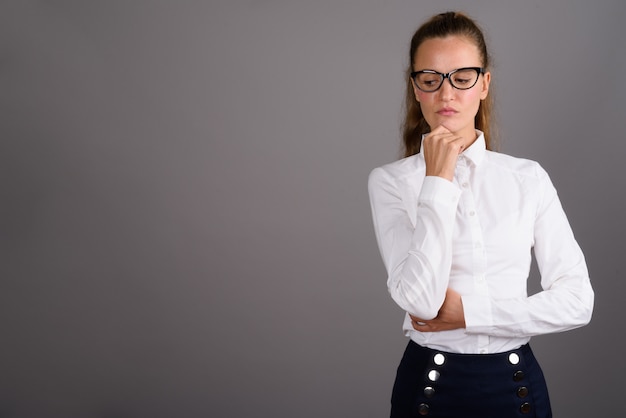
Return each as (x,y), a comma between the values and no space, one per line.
(438,384)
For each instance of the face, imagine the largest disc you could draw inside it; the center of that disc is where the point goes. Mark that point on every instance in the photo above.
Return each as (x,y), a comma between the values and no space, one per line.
(453,108)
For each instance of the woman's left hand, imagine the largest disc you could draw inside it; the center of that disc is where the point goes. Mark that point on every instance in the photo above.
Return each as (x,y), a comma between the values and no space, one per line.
(450,315)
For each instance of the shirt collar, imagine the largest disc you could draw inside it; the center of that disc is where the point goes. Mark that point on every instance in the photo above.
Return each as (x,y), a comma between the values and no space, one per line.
(476,152)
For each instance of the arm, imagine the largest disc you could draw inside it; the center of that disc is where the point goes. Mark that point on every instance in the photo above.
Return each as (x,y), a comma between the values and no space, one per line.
(417,257)
(566,301)
(449,317)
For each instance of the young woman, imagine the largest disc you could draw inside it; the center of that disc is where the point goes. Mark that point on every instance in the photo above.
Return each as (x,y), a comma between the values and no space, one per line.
(455,223)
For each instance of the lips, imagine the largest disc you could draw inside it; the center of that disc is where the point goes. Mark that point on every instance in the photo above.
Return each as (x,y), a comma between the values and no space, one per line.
(447,111)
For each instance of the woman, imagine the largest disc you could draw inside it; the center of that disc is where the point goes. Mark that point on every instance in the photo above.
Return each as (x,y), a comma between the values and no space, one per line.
(455,223)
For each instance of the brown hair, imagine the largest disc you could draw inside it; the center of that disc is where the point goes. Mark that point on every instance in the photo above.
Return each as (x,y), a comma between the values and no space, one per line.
(440,26)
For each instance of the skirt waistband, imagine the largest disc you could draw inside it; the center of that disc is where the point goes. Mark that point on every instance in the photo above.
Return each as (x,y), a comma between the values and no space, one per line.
(511,356)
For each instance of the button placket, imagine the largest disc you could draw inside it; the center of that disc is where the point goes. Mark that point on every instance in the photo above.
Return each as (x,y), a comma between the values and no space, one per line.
(478,249)
(483,344)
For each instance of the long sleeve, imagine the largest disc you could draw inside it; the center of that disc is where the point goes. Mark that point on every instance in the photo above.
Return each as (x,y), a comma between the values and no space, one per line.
(566,301)
(417,256)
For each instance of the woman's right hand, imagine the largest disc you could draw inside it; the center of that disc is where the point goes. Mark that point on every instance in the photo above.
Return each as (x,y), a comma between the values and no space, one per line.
(441,151)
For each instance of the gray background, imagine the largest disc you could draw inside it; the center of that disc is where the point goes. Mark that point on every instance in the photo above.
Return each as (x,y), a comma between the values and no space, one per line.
(185,227)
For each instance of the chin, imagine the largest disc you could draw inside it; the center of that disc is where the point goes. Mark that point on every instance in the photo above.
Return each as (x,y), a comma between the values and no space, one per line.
(451,124)
(447,122)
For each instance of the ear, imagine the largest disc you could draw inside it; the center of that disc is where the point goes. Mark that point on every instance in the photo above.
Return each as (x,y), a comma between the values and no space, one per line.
(485,88)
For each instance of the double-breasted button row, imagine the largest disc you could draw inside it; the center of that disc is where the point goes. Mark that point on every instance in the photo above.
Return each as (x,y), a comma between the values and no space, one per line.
(433,375)
(518,376)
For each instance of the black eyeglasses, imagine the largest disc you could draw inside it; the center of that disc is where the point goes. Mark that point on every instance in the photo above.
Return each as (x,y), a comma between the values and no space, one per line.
(462,78)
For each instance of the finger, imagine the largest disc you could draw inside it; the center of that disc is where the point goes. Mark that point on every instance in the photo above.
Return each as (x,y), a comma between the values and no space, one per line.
(415,318)
(439,136)
(440,129)
(418,322)
(445,139)
(421,326)
(456,143)
(443,134)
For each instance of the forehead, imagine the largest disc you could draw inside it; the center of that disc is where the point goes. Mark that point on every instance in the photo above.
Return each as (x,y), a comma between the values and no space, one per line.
(446,54)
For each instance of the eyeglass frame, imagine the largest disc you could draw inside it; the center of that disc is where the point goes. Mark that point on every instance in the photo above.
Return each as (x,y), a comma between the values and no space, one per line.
(479,71)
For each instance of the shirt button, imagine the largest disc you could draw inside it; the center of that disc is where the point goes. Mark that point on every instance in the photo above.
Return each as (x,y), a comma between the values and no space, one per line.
(465,185)
(472,213)
(483,351)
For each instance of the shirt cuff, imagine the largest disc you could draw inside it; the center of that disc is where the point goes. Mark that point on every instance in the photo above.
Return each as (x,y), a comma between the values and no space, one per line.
(438,189)
(477,311)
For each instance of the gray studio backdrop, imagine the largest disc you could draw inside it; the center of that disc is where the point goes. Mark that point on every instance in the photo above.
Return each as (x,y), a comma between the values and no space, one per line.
(185,229)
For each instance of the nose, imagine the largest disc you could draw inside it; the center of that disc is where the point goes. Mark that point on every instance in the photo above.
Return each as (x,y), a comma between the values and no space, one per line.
(446,91)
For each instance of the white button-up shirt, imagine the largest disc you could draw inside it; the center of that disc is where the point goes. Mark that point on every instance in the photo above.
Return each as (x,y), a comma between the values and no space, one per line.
(475,235)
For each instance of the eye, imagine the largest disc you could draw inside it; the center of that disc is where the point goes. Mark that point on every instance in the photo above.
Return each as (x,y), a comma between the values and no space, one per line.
(461,81)
(428,80)
(464,78)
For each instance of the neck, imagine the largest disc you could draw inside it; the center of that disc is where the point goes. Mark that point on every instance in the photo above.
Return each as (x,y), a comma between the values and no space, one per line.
(469,137)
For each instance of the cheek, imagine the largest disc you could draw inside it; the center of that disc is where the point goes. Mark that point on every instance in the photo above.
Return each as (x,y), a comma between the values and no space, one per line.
(425,99)
(472,99)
